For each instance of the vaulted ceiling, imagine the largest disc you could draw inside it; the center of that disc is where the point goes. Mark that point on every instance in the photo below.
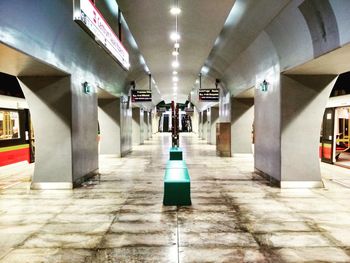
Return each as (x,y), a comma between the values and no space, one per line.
(199,23)
(213,35)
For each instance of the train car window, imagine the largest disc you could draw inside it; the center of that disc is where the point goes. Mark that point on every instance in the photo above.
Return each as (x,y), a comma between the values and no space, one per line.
(9,125)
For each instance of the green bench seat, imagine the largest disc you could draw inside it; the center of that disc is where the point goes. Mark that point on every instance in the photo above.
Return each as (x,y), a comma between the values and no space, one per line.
(177,187)
(176,164)
(175,153)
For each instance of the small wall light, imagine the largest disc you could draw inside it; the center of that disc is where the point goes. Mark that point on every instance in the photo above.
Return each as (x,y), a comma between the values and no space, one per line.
(86,87)
(264,85)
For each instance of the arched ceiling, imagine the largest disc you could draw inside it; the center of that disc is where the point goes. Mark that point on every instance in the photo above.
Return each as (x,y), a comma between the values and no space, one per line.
(247,19)
(151,23)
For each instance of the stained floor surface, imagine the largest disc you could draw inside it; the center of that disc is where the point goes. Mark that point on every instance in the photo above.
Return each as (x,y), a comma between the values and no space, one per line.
(236,216)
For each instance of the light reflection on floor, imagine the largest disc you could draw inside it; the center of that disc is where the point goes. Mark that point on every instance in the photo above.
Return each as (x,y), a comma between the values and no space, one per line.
(236,216)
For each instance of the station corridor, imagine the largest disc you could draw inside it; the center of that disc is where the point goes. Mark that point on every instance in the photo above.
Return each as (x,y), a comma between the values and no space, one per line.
(235,217)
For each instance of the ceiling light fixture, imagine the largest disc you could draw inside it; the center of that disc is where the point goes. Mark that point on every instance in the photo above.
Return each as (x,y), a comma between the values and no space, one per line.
(175,36)
(175,53)
(175,64)
(175,10)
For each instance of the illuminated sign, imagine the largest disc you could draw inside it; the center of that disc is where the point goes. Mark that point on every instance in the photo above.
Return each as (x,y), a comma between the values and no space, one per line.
(141,95)
(91,20)
(209,94)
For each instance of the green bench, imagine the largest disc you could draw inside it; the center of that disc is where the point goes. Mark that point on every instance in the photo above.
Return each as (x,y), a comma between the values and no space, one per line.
(177,185)
(175,153)
(176,164)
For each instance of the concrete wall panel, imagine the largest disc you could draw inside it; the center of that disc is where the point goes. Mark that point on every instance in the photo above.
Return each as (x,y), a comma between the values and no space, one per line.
(84,132)
(109,120)
(125,125)
(242,116)
(50,103)
(304,99)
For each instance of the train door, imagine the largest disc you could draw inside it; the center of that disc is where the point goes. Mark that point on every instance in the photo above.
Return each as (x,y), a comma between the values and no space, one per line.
(29,133)
(327,136)
(342,146)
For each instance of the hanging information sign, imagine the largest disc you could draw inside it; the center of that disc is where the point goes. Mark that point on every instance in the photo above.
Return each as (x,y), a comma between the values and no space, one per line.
(141,96)
(92,21)
(209,94)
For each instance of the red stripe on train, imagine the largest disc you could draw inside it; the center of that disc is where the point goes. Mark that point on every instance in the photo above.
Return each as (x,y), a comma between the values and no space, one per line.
(14,156)
(327,152)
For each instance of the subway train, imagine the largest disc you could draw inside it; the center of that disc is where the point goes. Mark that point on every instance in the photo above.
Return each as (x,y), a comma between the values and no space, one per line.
(335,134)
(16,131)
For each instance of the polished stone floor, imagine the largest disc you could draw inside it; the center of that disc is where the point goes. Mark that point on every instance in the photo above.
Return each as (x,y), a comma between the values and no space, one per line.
(235,217)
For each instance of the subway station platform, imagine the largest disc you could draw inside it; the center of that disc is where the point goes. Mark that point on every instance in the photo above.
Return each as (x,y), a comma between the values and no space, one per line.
(236,215)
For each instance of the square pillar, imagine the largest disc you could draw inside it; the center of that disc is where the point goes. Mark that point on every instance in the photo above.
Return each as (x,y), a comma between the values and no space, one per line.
(288,118)
(65,123)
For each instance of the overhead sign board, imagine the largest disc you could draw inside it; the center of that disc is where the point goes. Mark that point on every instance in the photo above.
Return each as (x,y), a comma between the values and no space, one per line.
(209,94)
(92,21)
(141,96)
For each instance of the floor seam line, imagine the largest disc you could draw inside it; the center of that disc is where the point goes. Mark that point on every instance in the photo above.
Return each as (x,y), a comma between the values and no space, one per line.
(177,235)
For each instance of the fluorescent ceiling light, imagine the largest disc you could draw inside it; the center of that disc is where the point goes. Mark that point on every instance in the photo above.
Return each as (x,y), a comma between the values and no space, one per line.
(205,70)
(175,64)
(175,36)
(175,53)
(174,72)
(175,10)
(177,45)
(175,79)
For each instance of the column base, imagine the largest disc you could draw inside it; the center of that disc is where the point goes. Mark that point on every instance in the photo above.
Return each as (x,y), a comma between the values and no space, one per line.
(51,186)
(290,184)
(301,184)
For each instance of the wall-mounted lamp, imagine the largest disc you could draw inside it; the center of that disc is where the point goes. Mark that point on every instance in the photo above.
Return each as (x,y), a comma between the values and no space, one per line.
(264,85)
(86,87)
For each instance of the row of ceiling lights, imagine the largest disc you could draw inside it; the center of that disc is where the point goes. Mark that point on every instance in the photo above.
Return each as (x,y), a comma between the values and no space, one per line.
(175,37)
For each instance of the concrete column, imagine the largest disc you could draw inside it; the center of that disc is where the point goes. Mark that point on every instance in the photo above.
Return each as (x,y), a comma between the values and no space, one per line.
(145,125)
(155,122)
(213,118)
(150,126)
(242,117)
(84,132)
(200,124)
(287,127)
(142,126)
(125,126)
(204,125)
(65,123)
(136,126)
(207,138)
(195,121)
(109,120)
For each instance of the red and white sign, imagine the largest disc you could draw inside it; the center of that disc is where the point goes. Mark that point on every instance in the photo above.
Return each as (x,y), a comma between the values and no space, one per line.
(87,15)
